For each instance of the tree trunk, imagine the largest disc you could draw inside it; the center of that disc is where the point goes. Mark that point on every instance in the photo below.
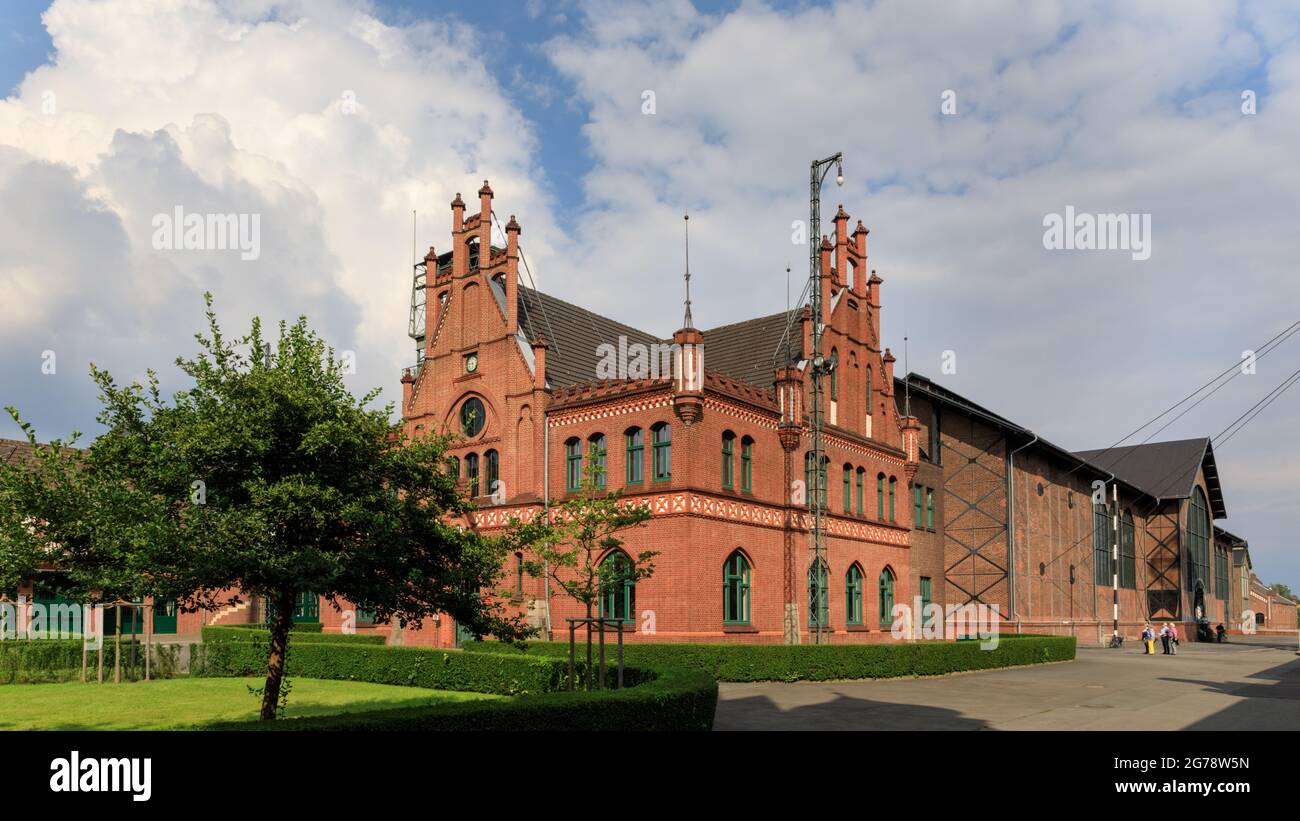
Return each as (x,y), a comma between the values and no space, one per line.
(279,648)
(588,646)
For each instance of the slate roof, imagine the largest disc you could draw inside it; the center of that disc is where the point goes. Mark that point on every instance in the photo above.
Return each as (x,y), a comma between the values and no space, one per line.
(746,351)
(1166,470)
(1163,470)
(574,334)
(15,451)
(743,351)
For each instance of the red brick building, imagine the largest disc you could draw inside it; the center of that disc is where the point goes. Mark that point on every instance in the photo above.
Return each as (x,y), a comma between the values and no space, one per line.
(713,444)
(929,496)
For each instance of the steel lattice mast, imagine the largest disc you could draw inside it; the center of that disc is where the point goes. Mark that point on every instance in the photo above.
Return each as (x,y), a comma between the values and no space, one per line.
(818,606)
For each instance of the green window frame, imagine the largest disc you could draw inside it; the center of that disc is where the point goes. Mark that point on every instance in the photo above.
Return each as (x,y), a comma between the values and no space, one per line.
(853,595)
(817,484)
(1101,548)
(848,489)
(886,597)
(893,486)
(306,608)
(861,475)
(809,480)
(472,417)
(824,475)
(1221,574)
(819,605)
(662,443)
(929,508)
(519,573)
(597,451)
(1127,553)
(747,464)
(918,509)
(728,460)
(471,473)
(617,588)
(868,393)
(925,600)
(635,447)
(573,465)
(491,470)
(880,496)
(735,589)
(1198,540)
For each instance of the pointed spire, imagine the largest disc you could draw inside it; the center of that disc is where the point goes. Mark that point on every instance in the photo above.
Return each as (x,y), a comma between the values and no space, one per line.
(686,221)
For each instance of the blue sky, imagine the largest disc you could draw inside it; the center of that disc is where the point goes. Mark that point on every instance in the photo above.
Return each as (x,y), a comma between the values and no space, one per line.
(1108,107)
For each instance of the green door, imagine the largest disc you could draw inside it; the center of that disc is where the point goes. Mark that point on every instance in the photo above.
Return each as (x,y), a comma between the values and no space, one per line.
(132,620)
(164,616)
(464,634)
(62,615)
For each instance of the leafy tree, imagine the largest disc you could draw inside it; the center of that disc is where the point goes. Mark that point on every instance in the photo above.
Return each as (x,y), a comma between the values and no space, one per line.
(1284,590)
(568,547)
(267,477)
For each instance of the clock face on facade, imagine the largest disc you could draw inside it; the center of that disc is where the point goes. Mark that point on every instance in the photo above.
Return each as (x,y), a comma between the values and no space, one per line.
(472,416)
(471,363)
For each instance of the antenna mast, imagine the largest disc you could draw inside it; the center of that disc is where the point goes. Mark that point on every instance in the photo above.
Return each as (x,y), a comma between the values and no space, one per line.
(416,326)
(818,604)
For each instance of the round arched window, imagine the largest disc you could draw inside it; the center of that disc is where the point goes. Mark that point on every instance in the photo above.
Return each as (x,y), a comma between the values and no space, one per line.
(472,416)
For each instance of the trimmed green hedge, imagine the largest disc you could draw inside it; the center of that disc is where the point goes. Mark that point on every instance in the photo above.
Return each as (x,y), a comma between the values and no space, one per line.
(825,662)
(25,661)
(256,633)
(298,626)
(413,667)
(665,699)
(653,698)
(43,661)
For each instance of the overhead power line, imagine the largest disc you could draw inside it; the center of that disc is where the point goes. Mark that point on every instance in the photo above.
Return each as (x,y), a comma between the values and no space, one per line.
(1256,409)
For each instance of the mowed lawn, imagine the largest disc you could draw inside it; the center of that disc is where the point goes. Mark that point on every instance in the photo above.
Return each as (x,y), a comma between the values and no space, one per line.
(188,702)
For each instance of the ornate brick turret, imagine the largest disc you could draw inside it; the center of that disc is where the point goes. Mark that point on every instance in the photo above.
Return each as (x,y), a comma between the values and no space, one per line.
(688,375)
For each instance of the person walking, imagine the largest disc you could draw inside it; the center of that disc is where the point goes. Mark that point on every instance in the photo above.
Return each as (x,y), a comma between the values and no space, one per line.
(1148,640)
(1164,639)
(1173,639)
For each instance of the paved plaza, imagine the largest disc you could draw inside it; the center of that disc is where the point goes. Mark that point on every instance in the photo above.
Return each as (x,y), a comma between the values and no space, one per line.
(1251,683)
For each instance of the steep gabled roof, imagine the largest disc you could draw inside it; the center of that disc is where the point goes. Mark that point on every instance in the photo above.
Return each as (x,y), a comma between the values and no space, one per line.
(1166,470)
(15,451)
(743,351)
(574,334)
(746,351)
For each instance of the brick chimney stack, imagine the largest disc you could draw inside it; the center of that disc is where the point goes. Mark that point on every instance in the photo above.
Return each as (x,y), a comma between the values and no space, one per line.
(825,280)
(408,388)
(512,275)
(484,225)
(459,255)
(841,247)
(432,308)
(860,270)
(539,347)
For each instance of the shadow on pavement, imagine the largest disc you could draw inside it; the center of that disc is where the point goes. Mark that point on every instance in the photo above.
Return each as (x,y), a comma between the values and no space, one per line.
(1260,699)
(840,713)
